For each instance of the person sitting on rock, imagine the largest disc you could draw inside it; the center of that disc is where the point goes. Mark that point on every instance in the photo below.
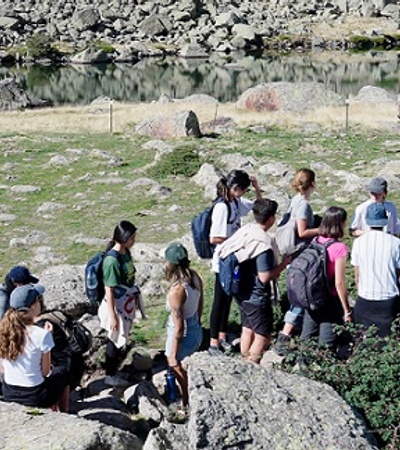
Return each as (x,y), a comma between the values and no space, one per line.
(25,350)
(185,304)
(17,276)
(378,190)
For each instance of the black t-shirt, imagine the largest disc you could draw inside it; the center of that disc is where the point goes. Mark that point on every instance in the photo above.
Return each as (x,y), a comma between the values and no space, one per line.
(250,287)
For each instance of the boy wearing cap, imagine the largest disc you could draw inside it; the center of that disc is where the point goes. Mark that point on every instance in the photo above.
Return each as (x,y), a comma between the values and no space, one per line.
(18,276)
(376,259)
(377,189)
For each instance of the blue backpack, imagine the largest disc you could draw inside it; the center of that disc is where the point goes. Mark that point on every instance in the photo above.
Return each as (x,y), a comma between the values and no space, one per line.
(229,274)
(94,285)
(201,226)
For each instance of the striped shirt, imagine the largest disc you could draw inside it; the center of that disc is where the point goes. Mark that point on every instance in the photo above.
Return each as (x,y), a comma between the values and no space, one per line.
(377,256)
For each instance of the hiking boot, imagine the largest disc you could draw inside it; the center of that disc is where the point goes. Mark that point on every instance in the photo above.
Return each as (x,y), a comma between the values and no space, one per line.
(282,344)
(215,351)
(115,381)
(225,346)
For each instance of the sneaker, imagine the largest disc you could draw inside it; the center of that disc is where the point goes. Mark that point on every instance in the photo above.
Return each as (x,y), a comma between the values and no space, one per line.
(282,344)
(215,351)
(115,381)
(225,346)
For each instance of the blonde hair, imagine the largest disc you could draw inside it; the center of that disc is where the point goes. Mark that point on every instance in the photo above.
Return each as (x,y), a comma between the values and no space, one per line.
(13,332)
(303,179)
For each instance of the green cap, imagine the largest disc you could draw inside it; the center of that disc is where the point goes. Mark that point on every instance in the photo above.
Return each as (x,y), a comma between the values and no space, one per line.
(176,253)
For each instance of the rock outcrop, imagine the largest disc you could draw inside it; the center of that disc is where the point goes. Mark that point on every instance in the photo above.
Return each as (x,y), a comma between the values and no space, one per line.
(235,404)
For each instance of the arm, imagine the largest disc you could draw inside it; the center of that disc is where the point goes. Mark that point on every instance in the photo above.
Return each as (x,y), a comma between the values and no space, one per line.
(254,183)
(266,277)
(340,284)
(201,300)
(46,363)
(111,308)
(304,232)
(177,298)
(217,239)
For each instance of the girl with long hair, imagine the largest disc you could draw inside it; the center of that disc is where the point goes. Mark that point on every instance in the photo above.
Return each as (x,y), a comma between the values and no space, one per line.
(229,207)
(117,310)
(25,353)
(185,304)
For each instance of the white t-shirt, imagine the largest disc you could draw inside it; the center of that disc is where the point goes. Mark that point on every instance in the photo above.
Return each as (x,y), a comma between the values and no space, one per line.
(358,220)
(26,370)
(224,226)
(377,256)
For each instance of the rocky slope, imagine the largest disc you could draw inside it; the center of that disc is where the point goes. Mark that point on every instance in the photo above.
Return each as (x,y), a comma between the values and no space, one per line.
(219,25)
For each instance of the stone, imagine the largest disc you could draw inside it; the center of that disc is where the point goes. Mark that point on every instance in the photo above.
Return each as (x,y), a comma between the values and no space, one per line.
(285,96)
(374,95)
(91,56)
(86,18)
(193,50)
(179,124)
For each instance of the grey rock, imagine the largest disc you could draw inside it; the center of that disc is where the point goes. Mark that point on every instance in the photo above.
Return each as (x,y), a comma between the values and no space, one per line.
(374,95)
(180,124)
(86,18)
(90,56)
(43,431)
(24,189)
(193,50)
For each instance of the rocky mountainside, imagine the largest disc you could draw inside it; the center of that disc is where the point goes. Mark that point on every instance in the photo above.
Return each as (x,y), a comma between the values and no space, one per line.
(219,25)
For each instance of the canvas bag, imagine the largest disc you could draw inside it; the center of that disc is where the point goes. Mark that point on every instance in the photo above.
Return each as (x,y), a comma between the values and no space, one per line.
(285,235)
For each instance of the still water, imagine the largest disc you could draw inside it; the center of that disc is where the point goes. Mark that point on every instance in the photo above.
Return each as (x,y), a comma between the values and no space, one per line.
(224,78)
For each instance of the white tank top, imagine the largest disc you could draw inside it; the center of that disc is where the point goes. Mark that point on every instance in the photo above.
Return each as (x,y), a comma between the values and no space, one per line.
(191,305)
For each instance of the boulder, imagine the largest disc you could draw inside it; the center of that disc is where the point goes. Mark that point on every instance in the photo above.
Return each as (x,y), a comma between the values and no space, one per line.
(234,404)
(86,18)
(155,25)
(285,96)
(179,124)
(12,97)
(91,56)
(193,50)
(374,95)
(32,428)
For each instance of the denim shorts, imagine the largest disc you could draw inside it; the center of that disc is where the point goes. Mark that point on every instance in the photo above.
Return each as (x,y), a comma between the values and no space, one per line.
(294,316)
(191,341)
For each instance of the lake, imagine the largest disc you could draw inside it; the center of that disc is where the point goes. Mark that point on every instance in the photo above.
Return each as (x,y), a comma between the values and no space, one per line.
(223,77)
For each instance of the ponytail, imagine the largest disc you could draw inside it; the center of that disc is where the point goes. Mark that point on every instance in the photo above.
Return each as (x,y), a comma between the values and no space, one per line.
(13,333)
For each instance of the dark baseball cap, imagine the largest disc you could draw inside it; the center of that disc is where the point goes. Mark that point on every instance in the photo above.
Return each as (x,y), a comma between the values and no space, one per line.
(377,186)
(21,274)
(176,253)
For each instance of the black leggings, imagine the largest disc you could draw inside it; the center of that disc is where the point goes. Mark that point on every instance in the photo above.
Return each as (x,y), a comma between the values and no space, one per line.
(220,310)
(113,355)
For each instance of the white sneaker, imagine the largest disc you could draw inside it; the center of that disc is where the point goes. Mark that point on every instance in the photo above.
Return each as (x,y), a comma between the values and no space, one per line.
(115,381)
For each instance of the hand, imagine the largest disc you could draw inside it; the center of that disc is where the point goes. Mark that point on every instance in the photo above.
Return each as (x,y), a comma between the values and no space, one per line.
(172,361)
(254,182)
(348,316)
(48,326)
(114,323)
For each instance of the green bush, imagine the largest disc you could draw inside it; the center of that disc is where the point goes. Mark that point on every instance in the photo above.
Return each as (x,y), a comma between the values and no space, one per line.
(182,160)
(361,42)
(105,46)
(40,46)
(369,379)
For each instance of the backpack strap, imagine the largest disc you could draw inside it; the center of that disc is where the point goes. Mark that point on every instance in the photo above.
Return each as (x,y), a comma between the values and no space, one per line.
(228,205)
(324,246)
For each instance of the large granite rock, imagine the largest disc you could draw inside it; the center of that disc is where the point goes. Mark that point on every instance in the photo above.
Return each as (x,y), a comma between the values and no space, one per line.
(235,404)
(12,97)
(179,124)
(287,97)
(374,95)
(21,429)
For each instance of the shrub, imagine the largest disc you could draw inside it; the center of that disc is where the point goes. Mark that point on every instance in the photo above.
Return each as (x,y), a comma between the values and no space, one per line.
(182,160)
(369,379)
(105,46)
(40,46)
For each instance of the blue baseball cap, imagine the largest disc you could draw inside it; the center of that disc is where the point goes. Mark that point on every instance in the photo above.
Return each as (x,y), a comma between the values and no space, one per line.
(23,297)
(376,215)
(21,274)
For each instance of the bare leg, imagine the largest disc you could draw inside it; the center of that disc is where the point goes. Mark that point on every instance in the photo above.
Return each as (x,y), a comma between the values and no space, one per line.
(182,379)
(258,347)
(288,329)
(246,341)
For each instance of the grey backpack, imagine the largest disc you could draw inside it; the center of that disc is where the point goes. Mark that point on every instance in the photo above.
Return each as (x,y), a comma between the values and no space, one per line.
(285,235)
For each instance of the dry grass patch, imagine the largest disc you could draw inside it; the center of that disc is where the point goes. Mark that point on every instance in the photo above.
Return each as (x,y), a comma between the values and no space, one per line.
(126,115)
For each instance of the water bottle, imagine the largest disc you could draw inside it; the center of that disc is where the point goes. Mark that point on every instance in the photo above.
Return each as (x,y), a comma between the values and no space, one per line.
(235,280)
(170,385)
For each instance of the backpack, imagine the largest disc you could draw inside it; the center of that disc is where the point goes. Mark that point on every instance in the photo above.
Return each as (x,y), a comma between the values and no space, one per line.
(201,226)
(307,284)
(229,274)
(285,235)
(79,337)
(94,285)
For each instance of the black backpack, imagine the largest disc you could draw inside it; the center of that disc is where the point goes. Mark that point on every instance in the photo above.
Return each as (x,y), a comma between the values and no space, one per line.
(78,337)
(307,284)
(94,285)
(201,226)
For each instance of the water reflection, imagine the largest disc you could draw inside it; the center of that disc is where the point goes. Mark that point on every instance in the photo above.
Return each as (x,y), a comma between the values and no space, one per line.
(222,77)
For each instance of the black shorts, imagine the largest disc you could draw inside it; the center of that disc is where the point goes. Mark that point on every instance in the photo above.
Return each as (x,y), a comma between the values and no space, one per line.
(258,318)
(44,395)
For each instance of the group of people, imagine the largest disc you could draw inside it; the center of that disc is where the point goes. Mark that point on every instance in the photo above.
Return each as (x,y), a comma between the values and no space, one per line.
(375,256)
(30,377)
